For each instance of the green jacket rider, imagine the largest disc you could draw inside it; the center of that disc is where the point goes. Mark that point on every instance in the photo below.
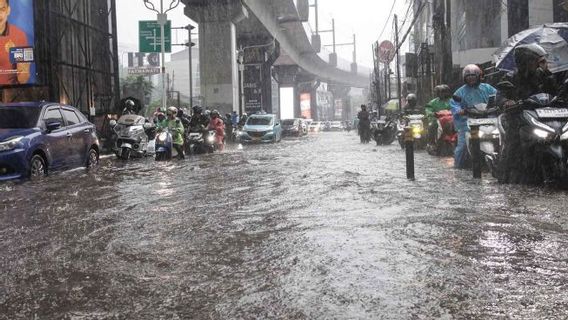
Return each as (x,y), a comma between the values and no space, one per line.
(441,102)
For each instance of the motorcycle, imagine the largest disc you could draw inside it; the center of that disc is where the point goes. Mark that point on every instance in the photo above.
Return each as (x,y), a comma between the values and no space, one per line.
(384,131)
(445,138)
(544,139)
(200,142)
(416,124)
(164,146)
(485,117)
(131,136)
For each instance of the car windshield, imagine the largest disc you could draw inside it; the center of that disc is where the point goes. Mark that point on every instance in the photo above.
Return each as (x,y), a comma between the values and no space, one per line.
(18,118)
(259,121)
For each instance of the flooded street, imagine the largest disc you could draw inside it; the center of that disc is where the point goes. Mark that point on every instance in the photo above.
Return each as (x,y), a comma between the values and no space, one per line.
(316,228)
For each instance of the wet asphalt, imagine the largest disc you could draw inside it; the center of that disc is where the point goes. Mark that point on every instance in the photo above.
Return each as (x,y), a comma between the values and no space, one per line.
(320,227)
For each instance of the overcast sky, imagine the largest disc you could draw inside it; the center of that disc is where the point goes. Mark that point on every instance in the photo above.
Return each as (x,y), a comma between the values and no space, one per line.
(365,18)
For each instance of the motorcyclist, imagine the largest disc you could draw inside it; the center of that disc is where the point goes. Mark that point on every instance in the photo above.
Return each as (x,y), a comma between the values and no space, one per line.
(175,127)
(159,118)
(243,120)
(129,107)
(364,124)
(228,126)
(532,77)
(412,105)
(441,102)
(199,122)
(234,119)
(184,118)
(217,124)
(471,93)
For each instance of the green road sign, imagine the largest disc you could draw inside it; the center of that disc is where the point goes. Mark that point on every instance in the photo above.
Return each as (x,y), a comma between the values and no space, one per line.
(150,36)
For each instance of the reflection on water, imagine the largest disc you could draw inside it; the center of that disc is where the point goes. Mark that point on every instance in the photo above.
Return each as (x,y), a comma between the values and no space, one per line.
(320,227)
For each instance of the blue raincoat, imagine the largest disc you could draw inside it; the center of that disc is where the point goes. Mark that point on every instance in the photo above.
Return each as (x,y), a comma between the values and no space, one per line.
(469,96)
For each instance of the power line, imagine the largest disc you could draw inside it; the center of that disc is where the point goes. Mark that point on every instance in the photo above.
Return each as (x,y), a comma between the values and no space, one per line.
(388,19)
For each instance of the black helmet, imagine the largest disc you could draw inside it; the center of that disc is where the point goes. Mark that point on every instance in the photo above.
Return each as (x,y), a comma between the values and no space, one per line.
(197,109)
(129,103)
(527,53)
(442,90)
(215,113)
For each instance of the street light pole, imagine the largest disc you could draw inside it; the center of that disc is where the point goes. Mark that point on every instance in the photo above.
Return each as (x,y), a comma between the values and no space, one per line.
(162,18)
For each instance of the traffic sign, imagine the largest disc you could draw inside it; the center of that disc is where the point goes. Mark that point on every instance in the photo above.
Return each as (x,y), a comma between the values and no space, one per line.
(150,36)
(386,51)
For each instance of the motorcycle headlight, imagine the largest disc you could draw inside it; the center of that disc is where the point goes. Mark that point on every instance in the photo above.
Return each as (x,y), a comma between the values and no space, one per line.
(416,130)
(211,139)
(538,124)
(10,143)
(162,136)
(541,133)
(481,134)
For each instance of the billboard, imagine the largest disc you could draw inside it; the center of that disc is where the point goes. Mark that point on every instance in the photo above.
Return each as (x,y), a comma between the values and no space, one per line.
(253,88)
(17,35)
(306,105)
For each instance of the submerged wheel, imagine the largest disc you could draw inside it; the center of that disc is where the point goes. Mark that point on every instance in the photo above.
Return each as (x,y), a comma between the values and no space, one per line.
(92,158)
(38,168)
(125,154)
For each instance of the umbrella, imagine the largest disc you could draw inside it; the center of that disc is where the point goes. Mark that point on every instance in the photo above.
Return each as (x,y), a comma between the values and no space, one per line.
(391,105)
(552,37)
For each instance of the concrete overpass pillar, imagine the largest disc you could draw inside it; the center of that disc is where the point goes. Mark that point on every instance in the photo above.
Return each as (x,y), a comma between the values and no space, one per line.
(341,100)
(289,94)
(218,50)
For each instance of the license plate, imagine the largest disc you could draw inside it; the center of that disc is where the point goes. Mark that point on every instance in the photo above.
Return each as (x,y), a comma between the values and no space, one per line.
(482,122)
(552,113)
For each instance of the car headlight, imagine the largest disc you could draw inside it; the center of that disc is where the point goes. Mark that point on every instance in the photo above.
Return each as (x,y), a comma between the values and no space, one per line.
(10,143)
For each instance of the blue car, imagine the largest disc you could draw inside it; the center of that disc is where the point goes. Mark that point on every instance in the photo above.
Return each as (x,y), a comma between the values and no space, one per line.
(37,138)
(261,128)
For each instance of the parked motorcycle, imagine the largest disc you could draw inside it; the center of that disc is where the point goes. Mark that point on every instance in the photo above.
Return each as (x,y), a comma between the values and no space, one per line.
(131,136)
(200,142)
(445,137)
(544,139)
(384,131)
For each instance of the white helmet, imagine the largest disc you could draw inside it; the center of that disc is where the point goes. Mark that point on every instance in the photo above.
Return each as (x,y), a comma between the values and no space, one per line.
(172,111)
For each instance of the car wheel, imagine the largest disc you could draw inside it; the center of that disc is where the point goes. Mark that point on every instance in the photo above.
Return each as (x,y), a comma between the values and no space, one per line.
(38,169)
(125,154)
(92,158)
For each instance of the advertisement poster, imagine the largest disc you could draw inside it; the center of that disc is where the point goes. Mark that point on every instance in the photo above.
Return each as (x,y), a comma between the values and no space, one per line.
(338,109)
(252,88)
(17,58)
(306,105)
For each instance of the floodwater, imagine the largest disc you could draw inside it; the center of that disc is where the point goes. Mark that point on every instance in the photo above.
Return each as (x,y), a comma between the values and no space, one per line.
(314,228)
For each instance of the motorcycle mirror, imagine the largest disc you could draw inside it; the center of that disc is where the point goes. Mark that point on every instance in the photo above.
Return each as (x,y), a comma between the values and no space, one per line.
(505,85)
(112,123)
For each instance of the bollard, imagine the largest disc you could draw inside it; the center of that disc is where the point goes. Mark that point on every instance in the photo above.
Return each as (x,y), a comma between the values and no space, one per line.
(475,152)
(409,147)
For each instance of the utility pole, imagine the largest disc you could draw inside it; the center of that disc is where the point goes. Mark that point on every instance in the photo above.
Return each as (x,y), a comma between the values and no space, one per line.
(162,18)
(189,45)
(398,80)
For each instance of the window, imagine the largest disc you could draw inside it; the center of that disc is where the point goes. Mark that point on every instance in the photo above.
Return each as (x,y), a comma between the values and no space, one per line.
(71,117)
(18,118)
(53,115)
